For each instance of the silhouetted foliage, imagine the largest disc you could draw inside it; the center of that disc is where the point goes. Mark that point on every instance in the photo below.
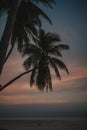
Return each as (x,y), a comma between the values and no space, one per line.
(26,17)
(43,54)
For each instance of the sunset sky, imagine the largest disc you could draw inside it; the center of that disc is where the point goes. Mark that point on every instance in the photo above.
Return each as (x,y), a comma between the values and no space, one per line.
(69,20)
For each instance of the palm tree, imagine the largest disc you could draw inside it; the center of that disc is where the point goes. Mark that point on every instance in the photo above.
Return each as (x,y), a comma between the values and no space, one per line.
(43,54)
(27,21)
(12,7)
(4,43)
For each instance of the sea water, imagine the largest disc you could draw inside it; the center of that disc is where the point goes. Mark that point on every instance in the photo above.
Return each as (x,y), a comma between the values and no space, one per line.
(44,123)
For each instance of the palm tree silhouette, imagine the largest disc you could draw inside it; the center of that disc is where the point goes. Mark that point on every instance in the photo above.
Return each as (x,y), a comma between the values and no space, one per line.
(43,54)
(12,7)
(27,21)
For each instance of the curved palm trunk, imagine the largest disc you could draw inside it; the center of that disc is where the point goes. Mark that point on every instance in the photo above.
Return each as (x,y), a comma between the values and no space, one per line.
(17,77)
(4,43)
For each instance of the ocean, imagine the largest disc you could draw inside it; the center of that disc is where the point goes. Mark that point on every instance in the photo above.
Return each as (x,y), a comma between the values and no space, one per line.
(46,123)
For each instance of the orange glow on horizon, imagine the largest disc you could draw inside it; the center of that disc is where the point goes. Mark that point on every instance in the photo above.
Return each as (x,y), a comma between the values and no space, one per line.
(21,93)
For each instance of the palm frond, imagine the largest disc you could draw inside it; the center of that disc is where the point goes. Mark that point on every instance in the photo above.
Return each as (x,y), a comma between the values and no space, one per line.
(31,49)
(28,62)
(45,2)
(53,37)
(47,40)
(55,52)
(31,29)
(61,47)
(31,12)
(54,66)
(60,64)
(20,44)
(33,74)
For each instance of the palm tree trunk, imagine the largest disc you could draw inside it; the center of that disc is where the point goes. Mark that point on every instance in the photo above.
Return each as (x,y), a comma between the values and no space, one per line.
(17,77)
(4,43)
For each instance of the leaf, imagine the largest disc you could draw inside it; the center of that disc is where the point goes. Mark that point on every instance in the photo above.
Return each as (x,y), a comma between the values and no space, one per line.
(60,64)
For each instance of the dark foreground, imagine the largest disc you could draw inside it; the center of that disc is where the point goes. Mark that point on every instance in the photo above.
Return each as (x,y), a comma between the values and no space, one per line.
(44,124)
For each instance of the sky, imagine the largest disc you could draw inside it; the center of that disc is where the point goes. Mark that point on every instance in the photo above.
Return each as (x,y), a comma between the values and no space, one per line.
(69,96)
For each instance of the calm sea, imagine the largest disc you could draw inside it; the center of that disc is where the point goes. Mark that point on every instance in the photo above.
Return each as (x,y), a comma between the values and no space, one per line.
(49,123)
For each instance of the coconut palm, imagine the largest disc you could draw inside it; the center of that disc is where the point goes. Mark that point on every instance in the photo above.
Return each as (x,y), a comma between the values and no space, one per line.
(43,55)
(12,6)
(26,22)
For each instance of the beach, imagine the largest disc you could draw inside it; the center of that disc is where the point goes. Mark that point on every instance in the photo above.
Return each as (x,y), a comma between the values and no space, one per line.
(44,124)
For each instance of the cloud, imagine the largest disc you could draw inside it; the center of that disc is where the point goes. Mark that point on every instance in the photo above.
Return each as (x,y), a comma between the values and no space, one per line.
(71,88)
(75,82)
(76,85)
